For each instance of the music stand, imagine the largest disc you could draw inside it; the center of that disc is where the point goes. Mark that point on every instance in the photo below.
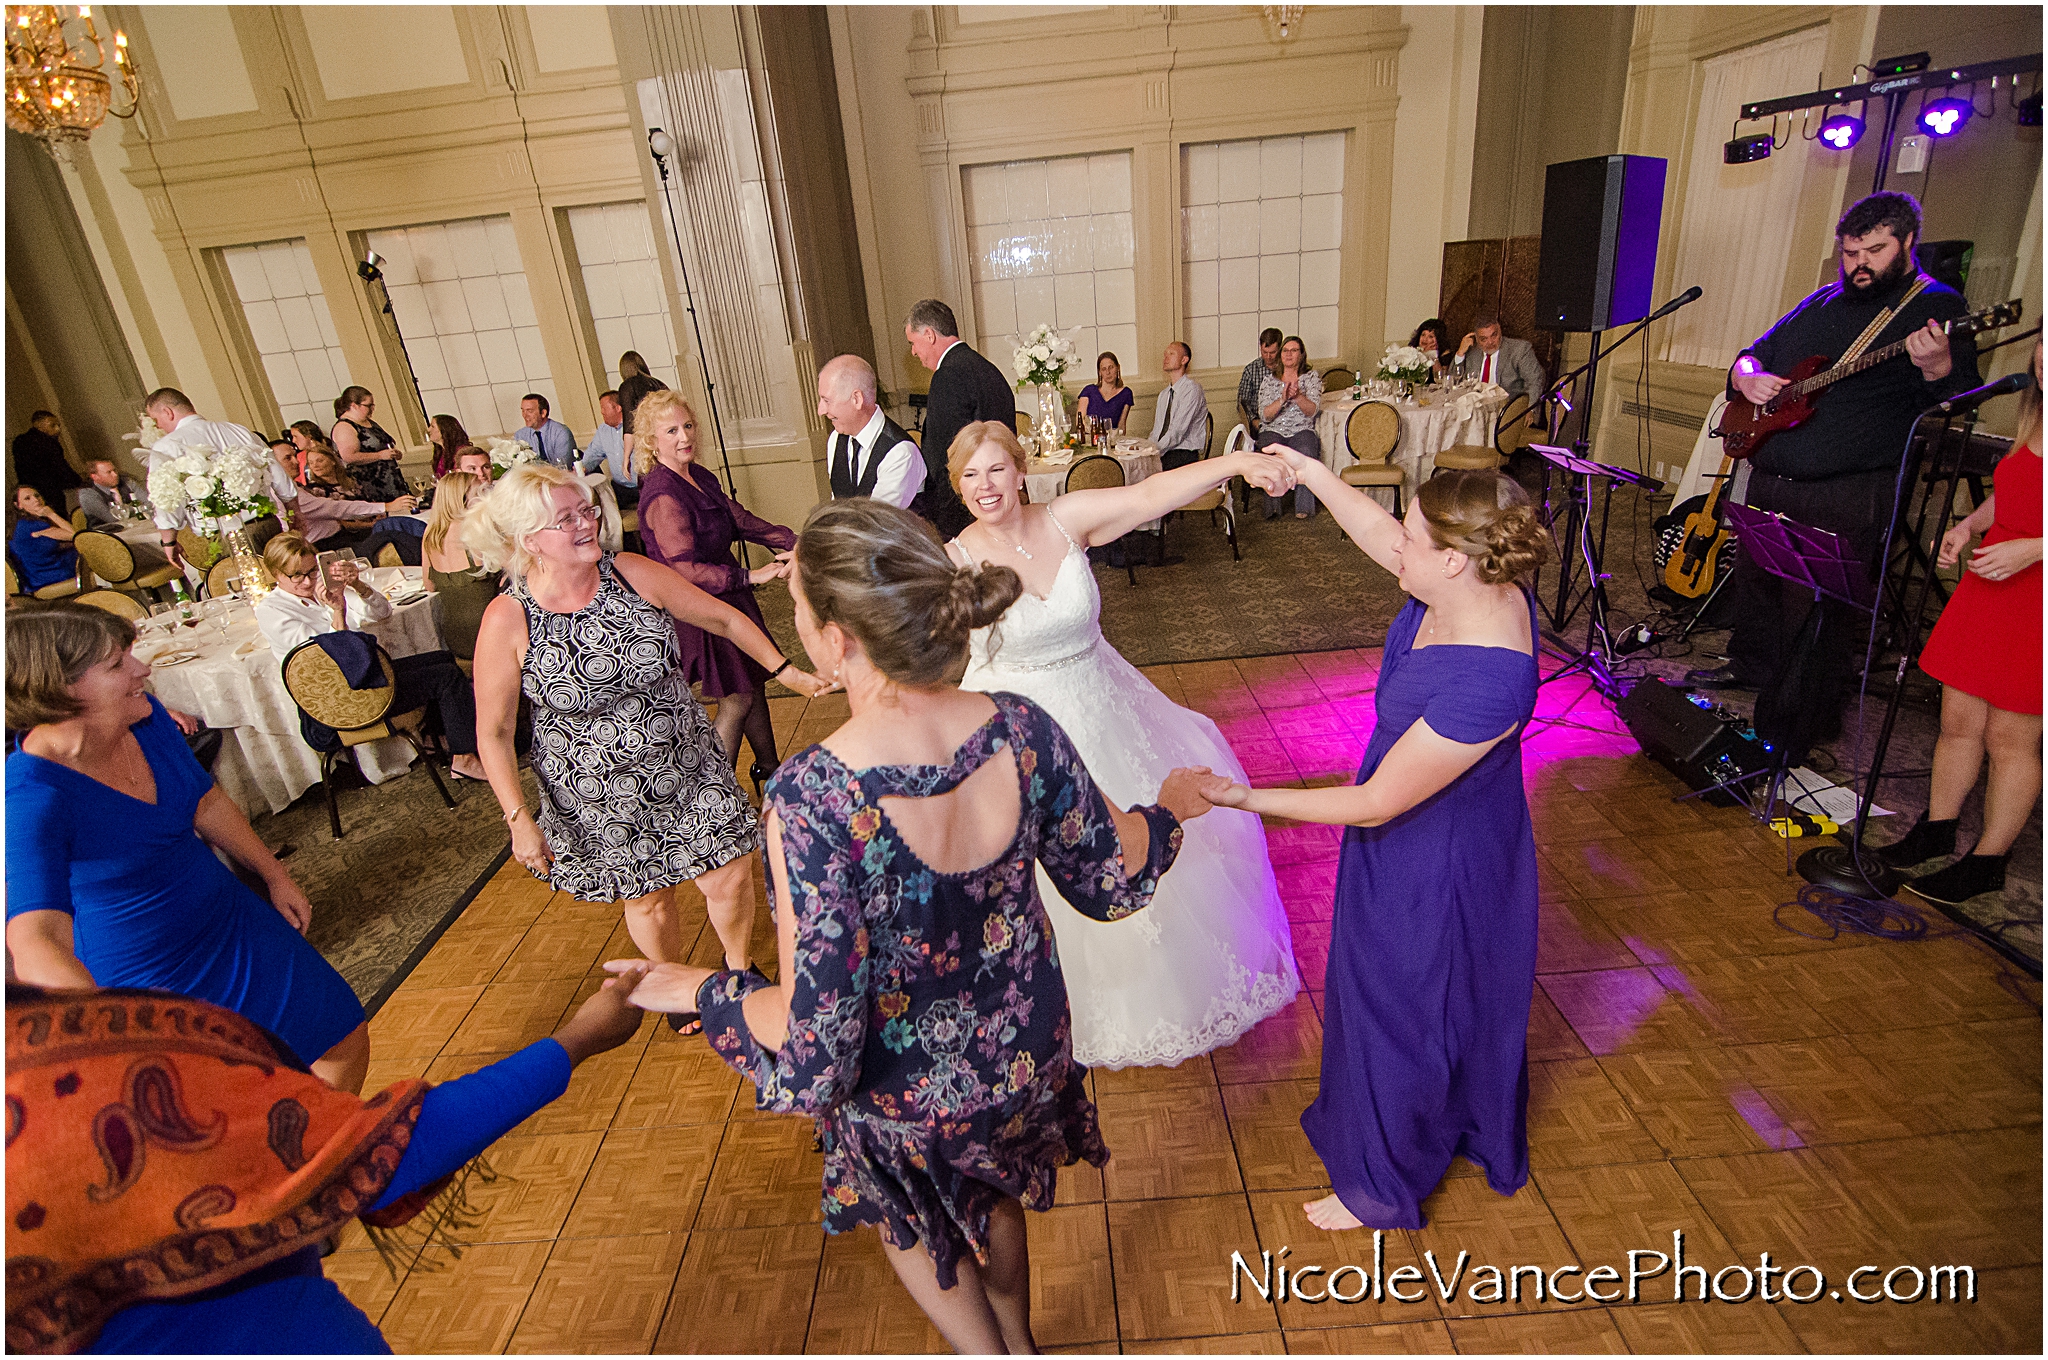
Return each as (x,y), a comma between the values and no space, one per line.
(1597,657)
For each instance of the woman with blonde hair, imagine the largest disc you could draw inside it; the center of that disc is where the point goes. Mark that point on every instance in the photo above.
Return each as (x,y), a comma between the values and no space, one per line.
(1433,938)
(689,523)
(1214,955)
(636,795)
(920,1017)
(466,589)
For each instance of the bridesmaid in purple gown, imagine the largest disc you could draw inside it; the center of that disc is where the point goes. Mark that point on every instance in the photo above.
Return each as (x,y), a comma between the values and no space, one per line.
(689,523)
(1433,940)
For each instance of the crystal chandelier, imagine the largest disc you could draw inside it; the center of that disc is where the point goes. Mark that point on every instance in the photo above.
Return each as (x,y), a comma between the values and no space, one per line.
(1286,16)
(57,89)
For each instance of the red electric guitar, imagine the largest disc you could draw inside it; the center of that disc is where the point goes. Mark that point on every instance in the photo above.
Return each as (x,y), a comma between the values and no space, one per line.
(1745,424)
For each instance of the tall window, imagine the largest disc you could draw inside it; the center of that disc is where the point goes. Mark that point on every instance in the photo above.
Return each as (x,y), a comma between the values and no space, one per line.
(293,330)
(622,280)
(1262,227)
(460,294)
(1051,244)
(1736,238)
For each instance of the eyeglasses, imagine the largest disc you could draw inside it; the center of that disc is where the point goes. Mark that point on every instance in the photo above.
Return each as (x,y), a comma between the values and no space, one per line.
(577,519)
(305,574)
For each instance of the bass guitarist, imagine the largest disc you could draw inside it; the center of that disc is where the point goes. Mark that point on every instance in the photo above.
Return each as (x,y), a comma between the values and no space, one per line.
(1838,469)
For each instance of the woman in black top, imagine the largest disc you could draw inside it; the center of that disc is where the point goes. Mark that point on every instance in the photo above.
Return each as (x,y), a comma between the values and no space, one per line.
(368,449)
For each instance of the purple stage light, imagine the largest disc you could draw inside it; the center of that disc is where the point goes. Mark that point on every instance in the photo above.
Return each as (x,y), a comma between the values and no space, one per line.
(1841,130)
(1944,117)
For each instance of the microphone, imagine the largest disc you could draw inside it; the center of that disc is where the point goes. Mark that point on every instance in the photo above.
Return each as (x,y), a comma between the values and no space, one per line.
(1691,294)
(1977,396)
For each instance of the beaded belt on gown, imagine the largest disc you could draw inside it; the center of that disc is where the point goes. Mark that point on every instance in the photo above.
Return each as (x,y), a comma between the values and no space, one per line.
(998,664)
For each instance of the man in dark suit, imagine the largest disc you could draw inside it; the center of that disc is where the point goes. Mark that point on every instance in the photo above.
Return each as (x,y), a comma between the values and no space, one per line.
(965,388)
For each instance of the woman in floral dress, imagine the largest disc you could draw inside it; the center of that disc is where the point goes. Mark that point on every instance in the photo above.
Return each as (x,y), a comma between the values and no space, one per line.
(920,1015)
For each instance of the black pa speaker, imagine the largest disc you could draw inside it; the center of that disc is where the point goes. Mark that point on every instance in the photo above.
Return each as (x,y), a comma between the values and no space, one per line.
(1600,223)
(1946,261)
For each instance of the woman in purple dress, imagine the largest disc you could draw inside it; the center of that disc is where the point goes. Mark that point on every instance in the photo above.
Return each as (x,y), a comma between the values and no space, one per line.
(1107,398)
(1433,940)
(689,523)
(920,1017)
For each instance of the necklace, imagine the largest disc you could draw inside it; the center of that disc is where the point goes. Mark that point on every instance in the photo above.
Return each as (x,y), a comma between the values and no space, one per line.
(1018,548)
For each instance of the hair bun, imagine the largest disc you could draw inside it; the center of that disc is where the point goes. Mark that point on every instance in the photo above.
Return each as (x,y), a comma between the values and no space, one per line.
(1516,545)
(980,595)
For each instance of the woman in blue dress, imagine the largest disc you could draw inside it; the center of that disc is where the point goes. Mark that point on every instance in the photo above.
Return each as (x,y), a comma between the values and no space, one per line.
(1433,939)
(112,880)
(920,1017)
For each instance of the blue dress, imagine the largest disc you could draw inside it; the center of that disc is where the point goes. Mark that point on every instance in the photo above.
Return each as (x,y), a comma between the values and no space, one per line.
(151,904)
(1433,948)
(44,561)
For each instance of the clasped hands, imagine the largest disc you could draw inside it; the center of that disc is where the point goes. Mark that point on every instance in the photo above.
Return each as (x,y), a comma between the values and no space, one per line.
(773,571)
(1274,469)
(1994,562)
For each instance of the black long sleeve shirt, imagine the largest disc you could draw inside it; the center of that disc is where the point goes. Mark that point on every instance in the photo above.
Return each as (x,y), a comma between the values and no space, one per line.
(1858,424)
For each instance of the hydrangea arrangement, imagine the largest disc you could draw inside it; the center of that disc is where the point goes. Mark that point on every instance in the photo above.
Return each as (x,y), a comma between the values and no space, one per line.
(1404,363)
(507,454)
(215,483)
(1041,361)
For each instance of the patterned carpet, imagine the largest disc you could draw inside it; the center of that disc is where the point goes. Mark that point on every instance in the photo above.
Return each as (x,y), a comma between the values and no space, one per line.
(407,863)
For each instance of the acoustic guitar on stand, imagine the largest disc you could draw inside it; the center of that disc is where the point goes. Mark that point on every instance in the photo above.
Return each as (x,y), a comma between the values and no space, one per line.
(1745,424)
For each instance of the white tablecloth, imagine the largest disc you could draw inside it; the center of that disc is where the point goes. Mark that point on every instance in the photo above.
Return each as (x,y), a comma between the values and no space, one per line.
(1426,431)
(236,684)
(1045,480)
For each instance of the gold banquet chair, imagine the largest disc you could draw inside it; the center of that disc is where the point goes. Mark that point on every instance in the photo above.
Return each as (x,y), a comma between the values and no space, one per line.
(358,716)
(113,561)
(218,575)
(1372,432)
(1337,379)
(1093,473)
(200,550)
(1479,456)
(56,590)
(114,602)
(1217,498)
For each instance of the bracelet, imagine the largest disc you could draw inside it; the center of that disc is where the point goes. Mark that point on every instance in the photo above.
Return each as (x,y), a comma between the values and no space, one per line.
(777,672)
(513,815)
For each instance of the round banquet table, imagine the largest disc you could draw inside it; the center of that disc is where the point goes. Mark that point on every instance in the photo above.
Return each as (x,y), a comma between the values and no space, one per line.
(236,684)
(1140,459)
(1426,431)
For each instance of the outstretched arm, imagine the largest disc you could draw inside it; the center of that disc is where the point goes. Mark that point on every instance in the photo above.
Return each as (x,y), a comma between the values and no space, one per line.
(1105,514)
(1421,765)
(667,590)
(1361,517)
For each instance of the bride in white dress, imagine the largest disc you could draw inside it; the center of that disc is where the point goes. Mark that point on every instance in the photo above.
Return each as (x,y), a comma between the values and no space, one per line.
(1213,955)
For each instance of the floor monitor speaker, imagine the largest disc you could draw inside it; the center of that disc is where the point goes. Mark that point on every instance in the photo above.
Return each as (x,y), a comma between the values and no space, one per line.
(1600,224)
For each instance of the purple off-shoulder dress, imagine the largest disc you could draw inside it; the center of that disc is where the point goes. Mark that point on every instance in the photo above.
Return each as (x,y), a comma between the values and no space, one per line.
(692,530)
(1433,948)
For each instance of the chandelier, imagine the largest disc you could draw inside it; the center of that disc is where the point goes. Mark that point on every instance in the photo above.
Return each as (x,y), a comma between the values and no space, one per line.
(57,88)
(1286,16)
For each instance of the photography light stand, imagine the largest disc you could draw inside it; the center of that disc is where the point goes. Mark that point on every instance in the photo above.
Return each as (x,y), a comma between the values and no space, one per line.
(661,146)
(371,270)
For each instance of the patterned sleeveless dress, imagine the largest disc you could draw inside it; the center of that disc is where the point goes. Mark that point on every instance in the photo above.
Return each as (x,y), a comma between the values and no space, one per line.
(636,793)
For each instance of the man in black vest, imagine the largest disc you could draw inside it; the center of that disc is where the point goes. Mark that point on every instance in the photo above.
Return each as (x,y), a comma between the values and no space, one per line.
(965,388)
(871,455)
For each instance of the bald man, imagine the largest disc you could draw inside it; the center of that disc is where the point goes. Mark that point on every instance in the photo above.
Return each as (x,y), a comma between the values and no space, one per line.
(871,454)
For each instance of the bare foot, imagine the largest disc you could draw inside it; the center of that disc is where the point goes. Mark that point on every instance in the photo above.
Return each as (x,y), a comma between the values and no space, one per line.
(1329,1212)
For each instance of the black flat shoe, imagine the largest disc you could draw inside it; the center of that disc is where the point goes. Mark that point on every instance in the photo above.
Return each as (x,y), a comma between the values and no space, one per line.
(1971,876)
(1719,677)
(1927,840)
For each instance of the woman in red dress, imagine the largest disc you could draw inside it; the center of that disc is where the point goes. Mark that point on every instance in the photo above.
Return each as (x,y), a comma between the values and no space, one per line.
(1986,651)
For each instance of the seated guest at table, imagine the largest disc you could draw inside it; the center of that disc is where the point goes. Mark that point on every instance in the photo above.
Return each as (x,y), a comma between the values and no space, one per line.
(635,792)
(112,879)
(108,492)
(607,451)
(1254,374)
(1288,402)
(449,439)
(186,431)
(466,589)
(335,518)
(41,541)
(366,448)
(285,453)
(476,463)
(1506,362)
(1106,398)
(545,435)
(871,454)
(305,437)
(1433,338)
(303,1160)
(302,608)
(1179,420)
(690,524)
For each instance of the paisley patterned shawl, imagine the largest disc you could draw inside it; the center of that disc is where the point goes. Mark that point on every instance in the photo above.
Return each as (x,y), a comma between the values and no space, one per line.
(158,1146)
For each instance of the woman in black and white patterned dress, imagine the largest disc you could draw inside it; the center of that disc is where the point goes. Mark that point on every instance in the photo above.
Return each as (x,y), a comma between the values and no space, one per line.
(636,792)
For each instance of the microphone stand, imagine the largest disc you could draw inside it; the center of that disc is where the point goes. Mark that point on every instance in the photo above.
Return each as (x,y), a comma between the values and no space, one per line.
(690,306)
(370,273)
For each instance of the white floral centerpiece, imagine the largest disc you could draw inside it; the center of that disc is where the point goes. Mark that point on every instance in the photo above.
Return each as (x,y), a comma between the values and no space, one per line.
(1041,361)
(507,454)
(212,483)
(1404,363)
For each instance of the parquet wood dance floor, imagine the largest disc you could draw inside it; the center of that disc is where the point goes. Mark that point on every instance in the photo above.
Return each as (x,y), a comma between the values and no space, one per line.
(1693,1067)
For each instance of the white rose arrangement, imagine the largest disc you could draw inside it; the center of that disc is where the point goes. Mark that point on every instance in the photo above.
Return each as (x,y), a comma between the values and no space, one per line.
(507,454)
(1404,363)
(213,483)
(1041,361)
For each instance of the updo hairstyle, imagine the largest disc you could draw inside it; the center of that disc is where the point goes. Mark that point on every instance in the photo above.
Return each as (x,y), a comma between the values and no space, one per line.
(972,436)
(881,574)
(1485,515)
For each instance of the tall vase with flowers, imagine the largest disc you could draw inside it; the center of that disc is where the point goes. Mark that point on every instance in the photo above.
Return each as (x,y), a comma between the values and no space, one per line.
(1041,362)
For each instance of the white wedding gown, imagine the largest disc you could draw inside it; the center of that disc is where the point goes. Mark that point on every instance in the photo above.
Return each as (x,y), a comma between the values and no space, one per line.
(1213,955)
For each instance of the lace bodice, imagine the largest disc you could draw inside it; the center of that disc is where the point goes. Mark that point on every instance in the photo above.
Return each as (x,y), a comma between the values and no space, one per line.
(1036,634)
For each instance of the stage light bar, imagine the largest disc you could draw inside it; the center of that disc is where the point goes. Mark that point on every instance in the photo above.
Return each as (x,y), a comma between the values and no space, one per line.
(1841,131)
(1743,150)
(1944,117)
